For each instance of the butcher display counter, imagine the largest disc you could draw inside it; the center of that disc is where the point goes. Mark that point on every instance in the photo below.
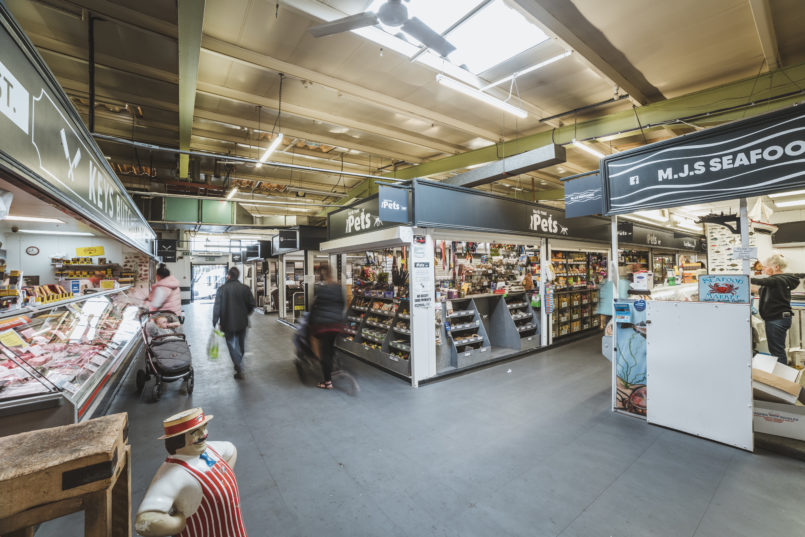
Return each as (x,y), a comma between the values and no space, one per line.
(61,363)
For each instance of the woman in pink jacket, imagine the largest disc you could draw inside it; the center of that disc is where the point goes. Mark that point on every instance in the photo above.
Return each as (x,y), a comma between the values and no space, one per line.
(165,293)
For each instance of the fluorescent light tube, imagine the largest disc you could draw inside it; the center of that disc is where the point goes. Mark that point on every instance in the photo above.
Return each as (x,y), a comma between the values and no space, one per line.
(481,96)
(274,144)
(231,193)
(693,227)
(588,149)
(34,219)
(526,71)
(784,194)
(652,215)
(795,203)
(638,219)
(51,232)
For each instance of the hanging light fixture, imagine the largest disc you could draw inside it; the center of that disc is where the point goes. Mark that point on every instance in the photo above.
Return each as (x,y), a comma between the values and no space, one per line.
(259,130)
(278,138)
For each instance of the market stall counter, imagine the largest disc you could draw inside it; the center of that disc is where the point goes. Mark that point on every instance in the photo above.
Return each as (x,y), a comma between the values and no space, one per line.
(62,361)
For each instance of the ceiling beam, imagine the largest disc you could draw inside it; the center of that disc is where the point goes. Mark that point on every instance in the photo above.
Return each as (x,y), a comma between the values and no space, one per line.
(311,113)
(563,20)
(260,61)
(191,23)
(734,94)
(761,13)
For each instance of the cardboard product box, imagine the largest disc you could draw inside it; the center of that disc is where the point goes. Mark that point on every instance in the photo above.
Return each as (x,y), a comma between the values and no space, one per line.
(769,364)
(775,382)
(780,419)
(643,281)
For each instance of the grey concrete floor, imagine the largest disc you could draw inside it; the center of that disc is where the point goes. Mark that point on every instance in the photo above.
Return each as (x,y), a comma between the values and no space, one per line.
(524,448)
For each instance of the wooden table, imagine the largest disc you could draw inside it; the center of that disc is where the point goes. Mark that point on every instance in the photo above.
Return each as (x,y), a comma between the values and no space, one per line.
(53,472)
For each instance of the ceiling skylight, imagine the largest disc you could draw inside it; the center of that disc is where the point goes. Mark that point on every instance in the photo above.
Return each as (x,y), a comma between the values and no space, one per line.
(491,36)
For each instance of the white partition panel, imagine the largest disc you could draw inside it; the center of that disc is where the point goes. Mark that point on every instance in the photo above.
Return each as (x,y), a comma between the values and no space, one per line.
(699,370)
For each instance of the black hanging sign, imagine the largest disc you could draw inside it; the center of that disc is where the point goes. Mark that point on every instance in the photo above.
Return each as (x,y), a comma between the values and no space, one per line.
(393,204)
(583,196)
(752,157)
(45,142)
(625,231)
(166,249)
(360,217)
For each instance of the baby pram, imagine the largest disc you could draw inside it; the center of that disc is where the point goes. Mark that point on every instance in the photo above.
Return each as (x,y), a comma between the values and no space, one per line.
(308,366)
(167,354)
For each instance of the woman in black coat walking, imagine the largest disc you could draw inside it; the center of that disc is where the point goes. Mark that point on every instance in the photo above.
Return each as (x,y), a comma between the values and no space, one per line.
(326,322)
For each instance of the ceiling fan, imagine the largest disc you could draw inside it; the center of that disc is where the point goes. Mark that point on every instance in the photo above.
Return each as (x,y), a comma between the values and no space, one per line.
(393,13)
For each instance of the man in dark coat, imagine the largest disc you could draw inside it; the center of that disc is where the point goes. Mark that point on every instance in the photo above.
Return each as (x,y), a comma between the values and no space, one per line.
(234,303)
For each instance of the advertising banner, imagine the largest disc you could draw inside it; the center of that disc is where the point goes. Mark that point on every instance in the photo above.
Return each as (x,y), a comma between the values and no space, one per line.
(732,288)
(631,356)
(746,158)
(89,251)
(45,141)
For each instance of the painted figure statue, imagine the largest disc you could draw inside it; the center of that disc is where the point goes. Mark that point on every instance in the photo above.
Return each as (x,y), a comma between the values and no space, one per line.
(194,493)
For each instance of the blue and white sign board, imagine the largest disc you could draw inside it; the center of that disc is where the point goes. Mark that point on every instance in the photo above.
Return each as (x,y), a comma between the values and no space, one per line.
(733,288)
(623,312)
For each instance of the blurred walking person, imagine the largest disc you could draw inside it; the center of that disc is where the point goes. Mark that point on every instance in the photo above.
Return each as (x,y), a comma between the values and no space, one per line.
(234,303)
(327,322)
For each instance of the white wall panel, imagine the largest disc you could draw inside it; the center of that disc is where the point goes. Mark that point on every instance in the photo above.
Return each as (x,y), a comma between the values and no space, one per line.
(699,375)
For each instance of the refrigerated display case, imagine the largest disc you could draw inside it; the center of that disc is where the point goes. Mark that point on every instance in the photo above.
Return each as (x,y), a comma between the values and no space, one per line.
(61,363)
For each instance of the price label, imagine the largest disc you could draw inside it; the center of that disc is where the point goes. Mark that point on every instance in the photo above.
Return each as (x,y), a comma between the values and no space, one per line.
(744,253)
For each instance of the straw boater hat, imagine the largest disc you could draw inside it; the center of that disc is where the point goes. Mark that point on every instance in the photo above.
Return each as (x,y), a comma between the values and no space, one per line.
(183,422)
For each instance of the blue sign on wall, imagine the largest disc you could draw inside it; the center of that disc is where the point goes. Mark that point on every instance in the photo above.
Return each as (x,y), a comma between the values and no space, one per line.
(732,288)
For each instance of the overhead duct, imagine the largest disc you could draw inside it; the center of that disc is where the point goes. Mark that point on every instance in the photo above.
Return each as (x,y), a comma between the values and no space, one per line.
(541,157)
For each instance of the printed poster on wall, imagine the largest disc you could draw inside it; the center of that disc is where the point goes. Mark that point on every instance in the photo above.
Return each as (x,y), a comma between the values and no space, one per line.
(631,358)
(422,277)
(724,288)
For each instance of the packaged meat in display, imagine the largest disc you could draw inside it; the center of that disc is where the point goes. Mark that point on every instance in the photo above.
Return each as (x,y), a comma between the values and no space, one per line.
(68,348)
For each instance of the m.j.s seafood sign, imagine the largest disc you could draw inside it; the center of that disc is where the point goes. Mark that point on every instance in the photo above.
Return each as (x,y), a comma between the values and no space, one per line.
(746,158)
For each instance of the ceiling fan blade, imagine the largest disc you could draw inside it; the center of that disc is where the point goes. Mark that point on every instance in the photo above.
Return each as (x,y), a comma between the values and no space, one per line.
(425,35)
(337,26)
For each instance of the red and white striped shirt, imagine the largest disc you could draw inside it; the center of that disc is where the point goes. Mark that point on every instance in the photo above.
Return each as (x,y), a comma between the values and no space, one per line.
(207,495)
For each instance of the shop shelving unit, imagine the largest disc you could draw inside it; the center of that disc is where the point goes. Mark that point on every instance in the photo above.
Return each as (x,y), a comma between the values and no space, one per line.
(467,334)
(573,312)
(629,257)
(576,295)
(525,318)
(378,330)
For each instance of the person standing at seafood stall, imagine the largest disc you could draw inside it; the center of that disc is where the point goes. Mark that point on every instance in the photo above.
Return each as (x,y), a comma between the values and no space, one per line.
(775,303)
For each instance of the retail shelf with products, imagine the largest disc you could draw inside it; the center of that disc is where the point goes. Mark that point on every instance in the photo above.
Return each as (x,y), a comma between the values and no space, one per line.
(378,332)
(574,312)
(60,363)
